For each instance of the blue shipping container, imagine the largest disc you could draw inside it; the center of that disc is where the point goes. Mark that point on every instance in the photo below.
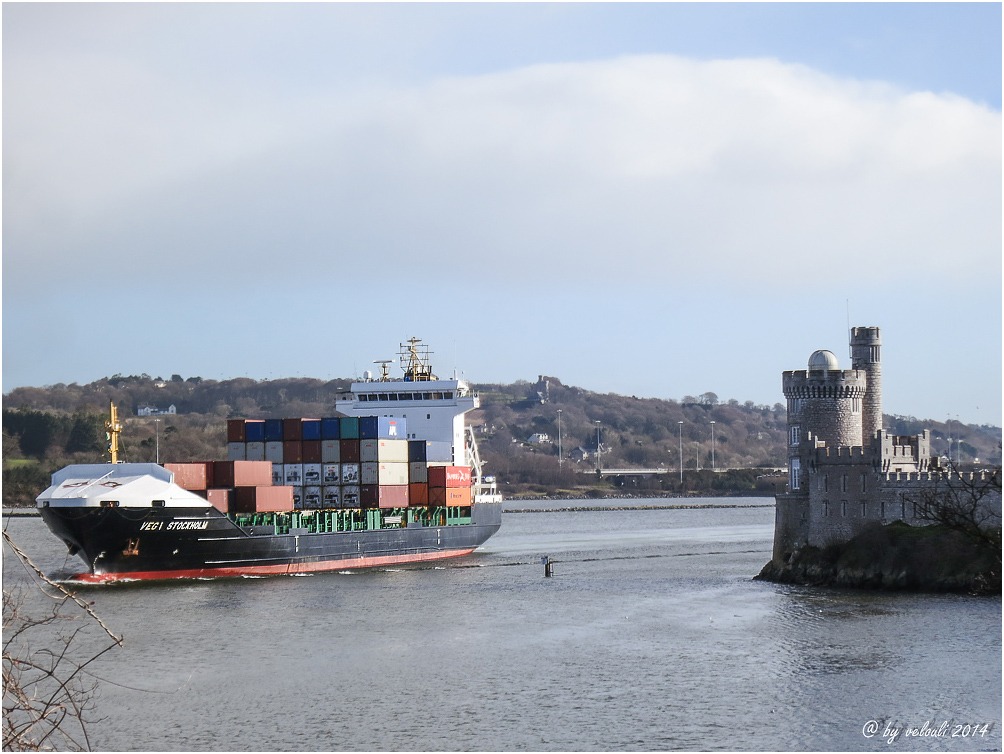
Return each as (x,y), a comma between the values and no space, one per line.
(254,431)
(273,430)
(310,429)
(329,429)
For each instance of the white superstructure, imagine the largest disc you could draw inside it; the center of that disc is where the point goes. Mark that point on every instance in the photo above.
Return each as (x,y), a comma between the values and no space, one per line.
(433,408)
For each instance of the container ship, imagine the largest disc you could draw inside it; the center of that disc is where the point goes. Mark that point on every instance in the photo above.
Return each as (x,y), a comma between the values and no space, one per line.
(395,477)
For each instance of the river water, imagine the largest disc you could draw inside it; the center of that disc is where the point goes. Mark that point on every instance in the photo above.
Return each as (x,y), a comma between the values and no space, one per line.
(650,635)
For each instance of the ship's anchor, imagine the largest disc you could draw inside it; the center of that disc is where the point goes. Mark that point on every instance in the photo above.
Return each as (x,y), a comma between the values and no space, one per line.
(132,548)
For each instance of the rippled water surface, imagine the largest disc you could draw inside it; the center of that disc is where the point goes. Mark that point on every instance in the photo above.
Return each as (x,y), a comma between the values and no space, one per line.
(649,636)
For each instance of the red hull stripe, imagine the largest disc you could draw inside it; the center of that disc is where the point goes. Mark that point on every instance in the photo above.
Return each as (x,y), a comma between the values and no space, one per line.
(272,570)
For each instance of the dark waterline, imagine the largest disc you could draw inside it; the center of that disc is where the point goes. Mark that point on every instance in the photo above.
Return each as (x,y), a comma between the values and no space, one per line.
(649,636)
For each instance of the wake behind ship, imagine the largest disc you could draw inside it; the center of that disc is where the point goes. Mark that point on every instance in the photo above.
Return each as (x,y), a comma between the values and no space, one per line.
(395,478)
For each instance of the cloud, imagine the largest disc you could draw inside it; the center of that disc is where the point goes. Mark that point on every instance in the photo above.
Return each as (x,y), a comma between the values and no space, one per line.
(639,169)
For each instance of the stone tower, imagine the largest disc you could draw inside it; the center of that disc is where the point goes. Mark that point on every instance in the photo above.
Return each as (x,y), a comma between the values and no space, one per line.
(866,345)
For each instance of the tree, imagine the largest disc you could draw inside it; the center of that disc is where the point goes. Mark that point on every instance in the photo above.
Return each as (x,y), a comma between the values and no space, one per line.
(47,695)
(968,503)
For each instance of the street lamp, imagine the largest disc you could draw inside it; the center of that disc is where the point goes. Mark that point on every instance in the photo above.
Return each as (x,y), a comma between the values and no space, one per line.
(156,424)
(681,451)
(599,465)
(559,438)
(712,446)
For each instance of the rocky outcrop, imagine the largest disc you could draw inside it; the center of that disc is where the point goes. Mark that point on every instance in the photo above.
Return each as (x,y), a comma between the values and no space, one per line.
(894,557)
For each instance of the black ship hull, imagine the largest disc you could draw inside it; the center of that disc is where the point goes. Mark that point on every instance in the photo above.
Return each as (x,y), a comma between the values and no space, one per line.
(121,543)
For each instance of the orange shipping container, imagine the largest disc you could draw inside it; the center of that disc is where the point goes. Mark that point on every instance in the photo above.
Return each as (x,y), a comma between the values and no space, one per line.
(450,496)
(418,494)
(190,476)
(220,499)
(449,476)
(242,473)
(262,499)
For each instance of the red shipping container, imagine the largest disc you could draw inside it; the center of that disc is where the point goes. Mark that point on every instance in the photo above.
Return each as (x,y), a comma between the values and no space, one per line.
(220,499)
(418,493)
(262,499)
(449,476)
(235,430)
(383,495)
(242,473)
(291,429)
(312,451)
(349,450)
(451,496)
(191,476)
(292,451)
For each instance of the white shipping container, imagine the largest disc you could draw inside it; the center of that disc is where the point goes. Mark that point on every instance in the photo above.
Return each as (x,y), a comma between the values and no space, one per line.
(350,496)
(331,473)
(418,472)
(255,451)
(235,451)
(293,474)
(331,451)
(273,451)
(384,473)
(383,451)
(331,496)
(350,473)
(278,475)
(312,496)
(312,473)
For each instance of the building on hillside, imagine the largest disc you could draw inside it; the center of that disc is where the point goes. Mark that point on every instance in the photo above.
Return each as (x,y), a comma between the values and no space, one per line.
(844,469)
(538,438)
(154,411)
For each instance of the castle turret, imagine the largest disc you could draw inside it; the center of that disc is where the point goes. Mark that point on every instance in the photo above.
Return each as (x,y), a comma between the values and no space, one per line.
(866,355)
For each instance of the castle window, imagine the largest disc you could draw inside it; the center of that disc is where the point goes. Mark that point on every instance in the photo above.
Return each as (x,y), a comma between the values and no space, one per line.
(864,509)
(864,482)
(826,482)
(882,509)
(826,507)
(855,405)
(793,473)
(843,482)
(902,512)
(795,435)
(794,405)
(843,507)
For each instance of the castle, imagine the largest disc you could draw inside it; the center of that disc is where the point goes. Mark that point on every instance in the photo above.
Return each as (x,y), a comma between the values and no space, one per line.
(844,469)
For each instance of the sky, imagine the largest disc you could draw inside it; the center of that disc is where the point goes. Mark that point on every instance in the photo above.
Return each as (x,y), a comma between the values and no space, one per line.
(655,199)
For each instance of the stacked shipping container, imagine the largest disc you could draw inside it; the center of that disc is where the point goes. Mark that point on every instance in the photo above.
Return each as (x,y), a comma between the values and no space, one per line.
(350,462)
(234,486)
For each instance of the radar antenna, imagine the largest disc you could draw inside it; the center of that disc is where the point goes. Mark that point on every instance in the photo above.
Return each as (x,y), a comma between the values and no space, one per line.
(384,376)
(415,361)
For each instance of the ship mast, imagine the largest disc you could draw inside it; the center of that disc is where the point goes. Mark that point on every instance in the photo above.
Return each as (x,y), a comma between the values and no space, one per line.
(415,361)
(112,430)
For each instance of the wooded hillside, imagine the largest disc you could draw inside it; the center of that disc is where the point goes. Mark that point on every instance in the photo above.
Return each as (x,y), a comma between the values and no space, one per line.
(45,428)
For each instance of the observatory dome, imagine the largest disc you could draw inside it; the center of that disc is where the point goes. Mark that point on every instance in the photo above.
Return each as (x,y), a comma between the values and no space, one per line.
(823,361)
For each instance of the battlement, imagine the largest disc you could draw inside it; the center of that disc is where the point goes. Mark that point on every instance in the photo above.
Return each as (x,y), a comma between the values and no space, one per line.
(845,453)
(846,383)
(927,478)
